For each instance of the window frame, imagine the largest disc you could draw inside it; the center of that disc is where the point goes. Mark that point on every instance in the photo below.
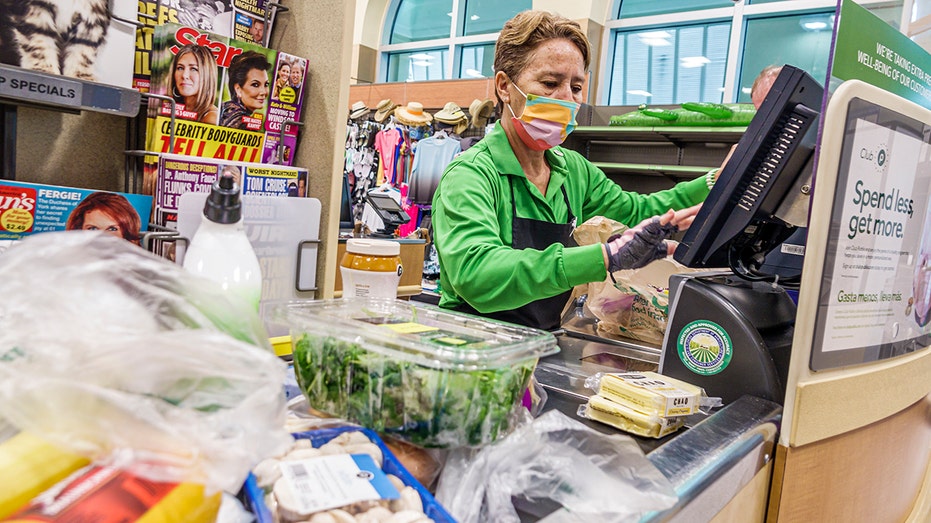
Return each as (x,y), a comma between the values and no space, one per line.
(454,43)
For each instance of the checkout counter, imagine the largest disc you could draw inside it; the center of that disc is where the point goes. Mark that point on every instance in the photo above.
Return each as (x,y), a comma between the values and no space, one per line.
(719,465)
(827,399)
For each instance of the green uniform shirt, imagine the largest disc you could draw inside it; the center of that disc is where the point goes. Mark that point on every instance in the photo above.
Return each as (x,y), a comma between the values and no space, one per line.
(471,216)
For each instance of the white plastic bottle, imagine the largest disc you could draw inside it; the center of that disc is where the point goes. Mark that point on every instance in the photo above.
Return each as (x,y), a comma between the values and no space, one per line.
(220,249)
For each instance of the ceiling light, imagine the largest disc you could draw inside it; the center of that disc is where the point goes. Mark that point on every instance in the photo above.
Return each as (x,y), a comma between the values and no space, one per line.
(689,62)
(422,63)
(421,56)
(472,73)
(449,14)
(746,90)
(655,34)
(638,92)
(815,26)
(474,17)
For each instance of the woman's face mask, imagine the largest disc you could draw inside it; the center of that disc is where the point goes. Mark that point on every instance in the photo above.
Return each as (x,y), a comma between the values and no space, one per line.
(544,122)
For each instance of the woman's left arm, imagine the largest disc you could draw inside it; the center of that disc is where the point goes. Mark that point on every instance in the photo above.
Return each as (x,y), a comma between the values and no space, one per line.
(607,198)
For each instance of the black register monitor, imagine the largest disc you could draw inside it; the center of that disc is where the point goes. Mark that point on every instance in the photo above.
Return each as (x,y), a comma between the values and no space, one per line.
(738,223)
(346,220)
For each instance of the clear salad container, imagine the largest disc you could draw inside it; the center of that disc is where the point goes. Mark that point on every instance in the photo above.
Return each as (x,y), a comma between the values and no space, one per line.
(434,377)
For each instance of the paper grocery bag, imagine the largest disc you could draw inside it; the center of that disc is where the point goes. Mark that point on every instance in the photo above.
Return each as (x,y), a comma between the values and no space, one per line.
(637,306)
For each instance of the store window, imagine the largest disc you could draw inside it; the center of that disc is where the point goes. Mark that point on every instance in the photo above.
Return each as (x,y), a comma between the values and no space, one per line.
(489,16)
(645,55)
(682,64)
(477,61)
(800,40)
(420,65)
(443,39)
(417,21)
(632,8)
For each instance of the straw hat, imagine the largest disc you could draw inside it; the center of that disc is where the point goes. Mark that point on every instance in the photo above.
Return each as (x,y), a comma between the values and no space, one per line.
(453,115)
(413,115)
(384,109)
(358,110)
(481,111)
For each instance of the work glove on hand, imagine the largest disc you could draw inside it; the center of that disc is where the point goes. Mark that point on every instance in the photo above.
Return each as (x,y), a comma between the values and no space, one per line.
(644,243)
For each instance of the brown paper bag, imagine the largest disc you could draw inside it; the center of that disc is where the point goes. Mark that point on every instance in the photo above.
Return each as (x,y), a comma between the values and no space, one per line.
(637,306)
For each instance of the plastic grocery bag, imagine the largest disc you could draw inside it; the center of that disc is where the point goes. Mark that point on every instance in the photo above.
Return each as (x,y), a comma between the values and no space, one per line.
(554,459)
(122,356)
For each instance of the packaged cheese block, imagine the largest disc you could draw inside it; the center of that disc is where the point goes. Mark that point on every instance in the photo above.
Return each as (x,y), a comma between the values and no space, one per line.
(608,412)
(28,466)
(650,393)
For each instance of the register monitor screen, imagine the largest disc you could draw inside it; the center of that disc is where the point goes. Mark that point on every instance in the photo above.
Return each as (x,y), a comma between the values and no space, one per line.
(738,223)
(868,261)
(388,210)
(346,220)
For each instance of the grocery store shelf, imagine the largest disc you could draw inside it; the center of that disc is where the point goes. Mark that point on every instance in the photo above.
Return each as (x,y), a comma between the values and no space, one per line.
(671,134)
(24,87)
(674,171)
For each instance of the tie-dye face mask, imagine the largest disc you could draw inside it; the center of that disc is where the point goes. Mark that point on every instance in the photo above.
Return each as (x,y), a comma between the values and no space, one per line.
(544,122)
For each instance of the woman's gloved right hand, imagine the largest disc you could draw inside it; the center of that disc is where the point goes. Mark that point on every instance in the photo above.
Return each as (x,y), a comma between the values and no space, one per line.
(648,241)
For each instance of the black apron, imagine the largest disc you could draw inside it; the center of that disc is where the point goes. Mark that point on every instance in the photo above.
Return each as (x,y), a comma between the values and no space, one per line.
(527,233)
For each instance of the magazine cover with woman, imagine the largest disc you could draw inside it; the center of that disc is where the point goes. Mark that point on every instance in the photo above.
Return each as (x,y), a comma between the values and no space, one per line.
(231,97)
(245,20)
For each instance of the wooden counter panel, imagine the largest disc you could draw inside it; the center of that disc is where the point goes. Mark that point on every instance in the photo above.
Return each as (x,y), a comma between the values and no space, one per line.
(873,474)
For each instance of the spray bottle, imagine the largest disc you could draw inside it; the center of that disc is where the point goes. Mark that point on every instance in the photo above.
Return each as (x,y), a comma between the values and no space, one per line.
(220,249)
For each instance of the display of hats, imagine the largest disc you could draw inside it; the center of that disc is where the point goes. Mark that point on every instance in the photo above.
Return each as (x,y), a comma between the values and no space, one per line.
(481,111)
(358,110)
(384,109)
(454,116)
(413,115)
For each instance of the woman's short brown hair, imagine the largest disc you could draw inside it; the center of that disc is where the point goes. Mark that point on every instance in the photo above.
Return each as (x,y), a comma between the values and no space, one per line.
(521,35)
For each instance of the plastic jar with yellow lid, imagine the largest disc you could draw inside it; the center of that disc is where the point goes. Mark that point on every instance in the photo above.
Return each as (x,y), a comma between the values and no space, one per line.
(371,268)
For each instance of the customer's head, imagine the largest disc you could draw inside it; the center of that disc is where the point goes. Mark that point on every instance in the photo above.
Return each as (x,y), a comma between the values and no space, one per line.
(523,37)
(248,79)
(763,83)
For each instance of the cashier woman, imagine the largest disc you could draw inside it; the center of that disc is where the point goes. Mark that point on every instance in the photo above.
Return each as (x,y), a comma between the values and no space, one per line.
(504,209)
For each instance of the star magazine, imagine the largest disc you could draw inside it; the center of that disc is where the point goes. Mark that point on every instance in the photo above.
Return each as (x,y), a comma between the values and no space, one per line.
(244,20)
(237,107)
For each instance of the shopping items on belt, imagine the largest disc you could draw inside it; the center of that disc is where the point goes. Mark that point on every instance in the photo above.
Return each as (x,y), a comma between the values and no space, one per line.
(375,486)
(123,357)
(430,376)
(646,403)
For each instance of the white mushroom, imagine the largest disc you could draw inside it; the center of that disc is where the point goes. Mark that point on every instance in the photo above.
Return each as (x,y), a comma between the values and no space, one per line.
(396,481)
(367,448)
(288,507)
(267,472)
(350,438)
(302,443)
(299,454)
(405,516)
(322,517)
(341,516)
(409,500)
(374,515)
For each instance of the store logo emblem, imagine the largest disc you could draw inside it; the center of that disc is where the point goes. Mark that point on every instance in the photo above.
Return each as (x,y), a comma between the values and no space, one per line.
(704,347)
(879,157)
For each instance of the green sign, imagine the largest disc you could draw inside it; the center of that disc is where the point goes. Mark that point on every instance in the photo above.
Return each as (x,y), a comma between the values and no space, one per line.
(869,49)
